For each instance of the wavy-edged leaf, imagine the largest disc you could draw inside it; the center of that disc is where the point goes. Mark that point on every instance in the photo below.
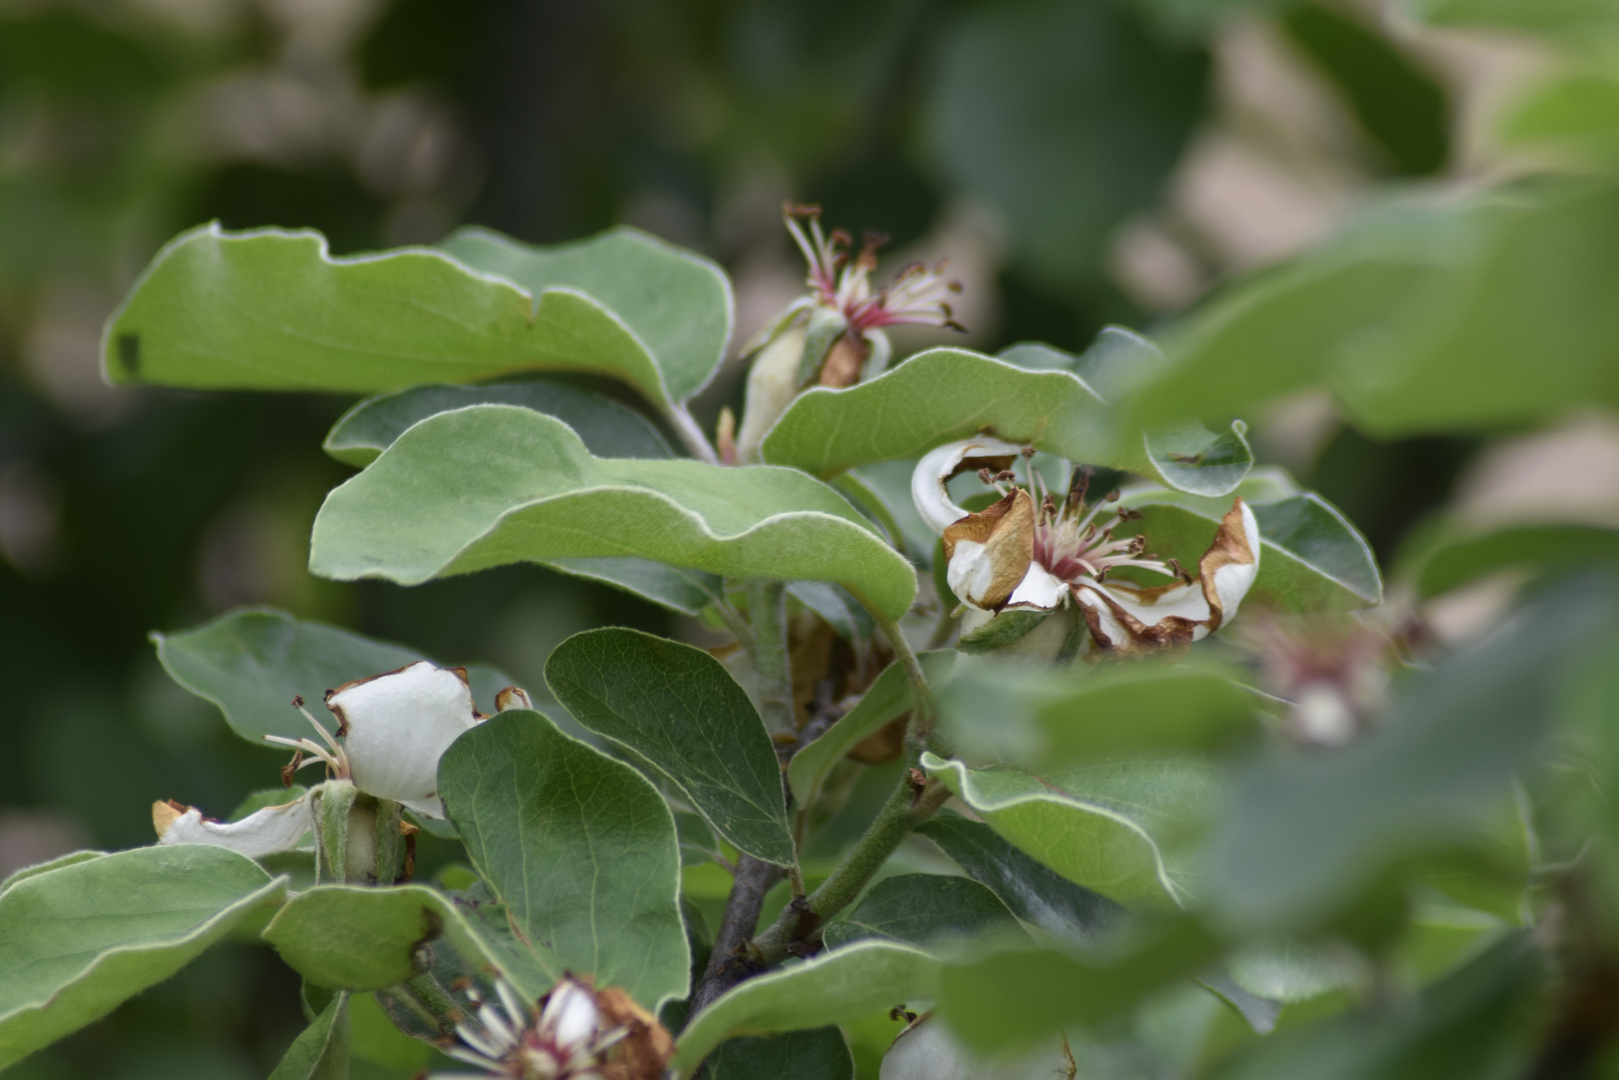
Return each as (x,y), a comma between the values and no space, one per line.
(579,847)
(829,989)
(493,484)
(1031,890)
(886,698)
(253,661)
(1108,827)
(945,394)
(677,588)
(48,865)
(816,1054)
(321,1050)
(607,428)
(269,309)
(678,709)
(921,910)
(79,939)
(676,303)
(1546,547)
(1312,557)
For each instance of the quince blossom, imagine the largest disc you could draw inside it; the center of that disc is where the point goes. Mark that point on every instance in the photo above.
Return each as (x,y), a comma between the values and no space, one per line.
(391,731)
(1020,554)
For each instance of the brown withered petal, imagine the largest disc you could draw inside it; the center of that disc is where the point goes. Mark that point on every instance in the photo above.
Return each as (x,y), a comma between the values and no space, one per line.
(1006,531)
(1230,548)
(843,362)
(644,1051)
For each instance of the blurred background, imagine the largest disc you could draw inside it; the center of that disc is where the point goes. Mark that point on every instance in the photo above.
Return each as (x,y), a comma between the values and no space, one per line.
(1081,162)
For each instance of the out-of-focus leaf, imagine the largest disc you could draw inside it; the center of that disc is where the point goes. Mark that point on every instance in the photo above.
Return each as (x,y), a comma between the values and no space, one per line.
(1574,111)
(676,303)
(1458,562)
(841,610)
(321,1050)
(1031,890)
(1302,835)
(272,310)
(886,698)
(678,709)
(945,394)
(1311,557)
(674,587)
(1401,106)
(607,428)
(1013,996)
(79,939)
(579,847)
(1573,18)
(1476,1022)
(1289,972)
(253,662)
(816,1054)
(493,484)
(828,989)
(1107,827)
(920,910)
(1065,117)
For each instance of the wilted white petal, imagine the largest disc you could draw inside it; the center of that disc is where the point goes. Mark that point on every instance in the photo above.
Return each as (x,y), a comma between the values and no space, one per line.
(1233,580)
(570,1014)
(1039,588)
(938,465)
(263,832)
(396,726)
(513,697)
(1149,607)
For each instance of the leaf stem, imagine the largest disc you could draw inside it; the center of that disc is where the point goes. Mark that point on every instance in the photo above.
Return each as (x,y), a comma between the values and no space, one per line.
(691,436)
(767,611)
(923,707)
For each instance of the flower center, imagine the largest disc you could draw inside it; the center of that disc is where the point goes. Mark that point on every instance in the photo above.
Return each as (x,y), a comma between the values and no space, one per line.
(842,281)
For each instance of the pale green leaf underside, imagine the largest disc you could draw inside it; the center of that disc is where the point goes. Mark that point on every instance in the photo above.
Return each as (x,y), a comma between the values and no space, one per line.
(677,588)
(945,394)
(607,428)
(921,910)
(678,304)
(677,708)
(1106,827)
(272,310)
(579,847)
(321,1050)
(78,940)
(252,662)
(833,988)
(493,484)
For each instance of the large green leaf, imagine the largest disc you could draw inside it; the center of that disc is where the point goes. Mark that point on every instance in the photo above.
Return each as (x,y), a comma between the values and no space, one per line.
(1460,560)
(676,303)
(493,484)
(674,587)
(579,847)
(1303,835)
(1031,890)
(78,940)
(920,910)
(816,1054)
(839,986)
(945,394)
(321,1050)
(677,708)
(345,937)
(1109,827)
(1311,558)
(607,428)
(886,698)
(252,662)
(272,310)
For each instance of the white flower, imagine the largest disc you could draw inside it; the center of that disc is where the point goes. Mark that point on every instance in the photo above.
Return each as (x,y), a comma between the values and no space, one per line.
(928,1051)
(1020,553)
(391,731)
(575,1033)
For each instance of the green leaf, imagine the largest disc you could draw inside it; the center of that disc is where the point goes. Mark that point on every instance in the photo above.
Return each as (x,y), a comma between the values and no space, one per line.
(79,939)
(838,607)
(945,394)
(1303,835)
(816,1054)
(269,309)
(1031,890)
(887,697)
(48,865)
(321,1050)
(1106,827)
(829,989)
(678,709)
(352,938)
(676,588)
(1001,630)
(579,847)
(921,910)
(493,484)
(676,303)
(252,662)
(607,428)
(1013,996)
(1575,110)
(1461,561)
(1311,558)
(1571,19)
